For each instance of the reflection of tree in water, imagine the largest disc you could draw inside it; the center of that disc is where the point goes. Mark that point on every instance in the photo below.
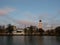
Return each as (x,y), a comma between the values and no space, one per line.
(58,38)
(29,40)
(39,40)
(9,40)
(34,40)
(1,40)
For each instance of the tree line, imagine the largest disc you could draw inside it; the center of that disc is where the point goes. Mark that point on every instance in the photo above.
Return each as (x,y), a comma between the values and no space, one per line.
(35,31)
(32,30)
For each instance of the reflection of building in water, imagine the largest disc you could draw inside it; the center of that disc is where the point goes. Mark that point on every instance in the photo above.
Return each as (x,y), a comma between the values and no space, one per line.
(29,40)
(40,24)
(34,40)
(40,40)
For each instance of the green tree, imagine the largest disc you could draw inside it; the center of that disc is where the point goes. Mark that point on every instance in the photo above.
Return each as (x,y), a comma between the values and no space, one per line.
(48,32)
(52,32)
(9,28)
(31,30)
(41,31)
(25,31)
(57,30)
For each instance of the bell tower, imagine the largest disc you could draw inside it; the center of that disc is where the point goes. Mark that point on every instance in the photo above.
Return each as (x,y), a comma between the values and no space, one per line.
(40,24)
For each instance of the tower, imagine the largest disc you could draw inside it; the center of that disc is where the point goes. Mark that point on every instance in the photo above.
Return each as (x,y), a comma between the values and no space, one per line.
(40,24)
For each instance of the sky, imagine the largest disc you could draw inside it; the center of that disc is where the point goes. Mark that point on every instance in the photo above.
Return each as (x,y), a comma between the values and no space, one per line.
(29,12)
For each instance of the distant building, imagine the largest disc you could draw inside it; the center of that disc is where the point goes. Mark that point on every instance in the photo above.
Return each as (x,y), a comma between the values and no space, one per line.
(40,24)
(2,29)
(19,30)
(14,27)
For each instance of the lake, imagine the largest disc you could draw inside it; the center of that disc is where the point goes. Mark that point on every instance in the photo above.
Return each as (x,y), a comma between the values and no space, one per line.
(29,40)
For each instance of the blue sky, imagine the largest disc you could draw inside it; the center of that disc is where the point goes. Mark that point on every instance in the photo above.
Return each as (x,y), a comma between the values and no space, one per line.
(30,12)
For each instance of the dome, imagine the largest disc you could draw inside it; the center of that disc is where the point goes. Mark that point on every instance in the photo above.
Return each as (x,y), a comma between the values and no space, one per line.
(40,20)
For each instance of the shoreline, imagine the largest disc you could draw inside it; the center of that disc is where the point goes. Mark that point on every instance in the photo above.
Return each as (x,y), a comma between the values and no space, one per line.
(4,34)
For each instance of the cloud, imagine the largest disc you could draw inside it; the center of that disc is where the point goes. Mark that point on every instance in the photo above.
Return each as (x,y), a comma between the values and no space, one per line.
(28,14)
(26,22)
(6,10)
(44,16)
(31,16)
(47,19)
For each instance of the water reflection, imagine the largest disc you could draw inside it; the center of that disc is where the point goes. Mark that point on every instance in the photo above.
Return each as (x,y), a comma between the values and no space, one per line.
(34,40)
(58,39)
(9,40)
(29,40)
(40,40)
(1,40)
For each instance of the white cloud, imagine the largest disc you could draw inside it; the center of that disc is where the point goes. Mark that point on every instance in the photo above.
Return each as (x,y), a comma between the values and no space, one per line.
(6,10)
(26,22)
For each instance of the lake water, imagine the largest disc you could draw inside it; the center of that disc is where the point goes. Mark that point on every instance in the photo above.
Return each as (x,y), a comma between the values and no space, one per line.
(29,40)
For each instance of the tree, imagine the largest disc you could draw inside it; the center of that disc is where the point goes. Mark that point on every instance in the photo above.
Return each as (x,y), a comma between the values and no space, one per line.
(9,28)
(52,32)
(41,31)
(25,31)
(30,30)
(48,32)
(57,30)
